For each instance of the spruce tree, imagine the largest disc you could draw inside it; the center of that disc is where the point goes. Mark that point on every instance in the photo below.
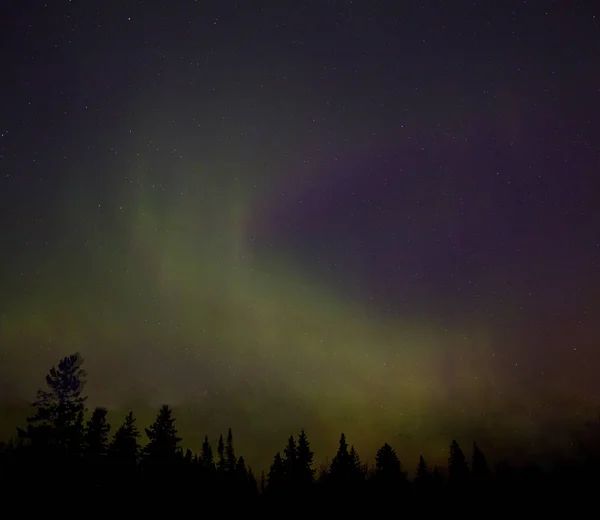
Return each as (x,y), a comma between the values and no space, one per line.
(306,473)
(480,470)
(290,460)
(458,470)
(230,459)
(423,474)
(388,469)
(355,463)
(341,465)
(206,460)
(124,447)
(221,464)
(276,475)
(96,435)
(163,441)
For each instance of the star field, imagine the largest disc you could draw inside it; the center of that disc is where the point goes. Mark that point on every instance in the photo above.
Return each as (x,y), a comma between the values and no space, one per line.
(353,216)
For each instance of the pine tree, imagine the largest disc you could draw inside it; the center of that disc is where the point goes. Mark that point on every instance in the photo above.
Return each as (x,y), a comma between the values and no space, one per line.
(423,474)
(163,441)
(290,460)
(188,457)
(341,465)
(96,435)
(458,470)
(230,459)
(306,473)
(355,463)
(388,470)
(241,472)
(124,447)
(221,464)
(480,470)
(206,460)
(276,475)
(59,410)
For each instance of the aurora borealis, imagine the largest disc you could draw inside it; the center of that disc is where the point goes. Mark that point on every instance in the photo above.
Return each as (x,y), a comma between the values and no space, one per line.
(359,216)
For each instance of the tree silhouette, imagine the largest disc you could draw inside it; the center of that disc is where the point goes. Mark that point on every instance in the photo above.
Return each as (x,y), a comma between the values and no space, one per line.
(124,447)
(206,459)
(230,460)
(423,474)
(458,470)
(479,464)
(305,471)
(96,435)
(345,470)
(388,470)
(163,441)
(290,461)
(221,464)
(356,466)
(59,410)
(276,475)
(342,463)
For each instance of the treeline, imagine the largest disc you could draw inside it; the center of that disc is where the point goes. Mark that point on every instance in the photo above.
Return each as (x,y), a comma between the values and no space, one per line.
(59,452)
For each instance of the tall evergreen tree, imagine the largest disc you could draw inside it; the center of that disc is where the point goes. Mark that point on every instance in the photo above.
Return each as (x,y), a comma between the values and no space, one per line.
(341,465)
(479,466)
(230,460)
(124,447)
(276,475)
(290,460)
(306,473)
(221,463)
(96,435)
(206,460)
(189,456)
(355,463)
(241,474)
(388,469)
(423,474)
(59,410)
(458,470)
(163,441)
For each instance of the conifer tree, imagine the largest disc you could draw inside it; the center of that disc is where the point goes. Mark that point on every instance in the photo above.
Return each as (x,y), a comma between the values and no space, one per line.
(276,475)
(163,441)
(355,463)
(423,474)
(306,473)
(230,459)
(480,470)
(290,460)
(341,465)
(458,470)
(206,460)
(388,469)
(96,435)
(124,447)
(189,456)
(221,464)
(59,410)
(240,465)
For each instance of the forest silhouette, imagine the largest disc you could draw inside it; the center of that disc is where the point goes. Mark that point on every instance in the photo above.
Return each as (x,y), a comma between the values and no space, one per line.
(60,455)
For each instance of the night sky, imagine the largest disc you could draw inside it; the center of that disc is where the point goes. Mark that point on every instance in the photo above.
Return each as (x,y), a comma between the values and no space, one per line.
(369,216)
